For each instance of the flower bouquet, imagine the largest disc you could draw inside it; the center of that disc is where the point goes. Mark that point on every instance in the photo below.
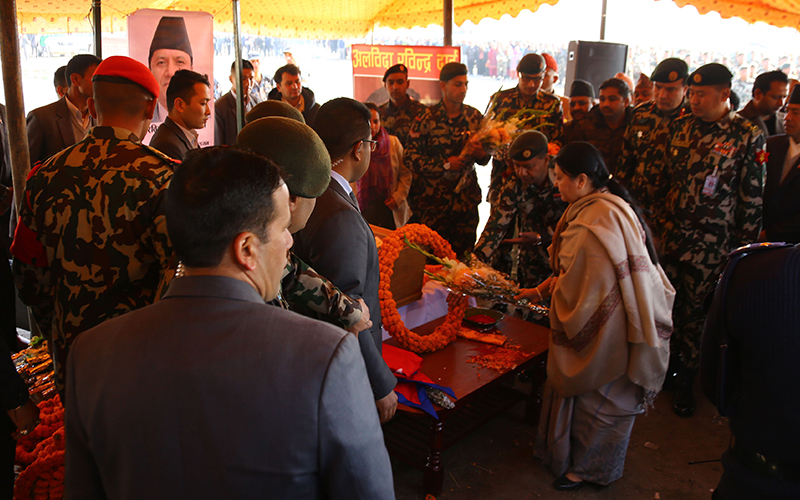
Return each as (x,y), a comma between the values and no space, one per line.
(476,279)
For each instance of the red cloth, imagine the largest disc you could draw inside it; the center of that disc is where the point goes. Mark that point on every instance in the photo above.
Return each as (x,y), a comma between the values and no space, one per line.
(376,184)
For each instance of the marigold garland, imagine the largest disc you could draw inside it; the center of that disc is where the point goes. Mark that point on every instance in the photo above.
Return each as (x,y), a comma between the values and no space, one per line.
(390,249)
(43,452)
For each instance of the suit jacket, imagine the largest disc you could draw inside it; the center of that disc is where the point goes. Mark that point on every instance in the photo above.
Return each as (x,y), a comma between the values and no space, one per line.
(781,199)
(170,140)
(311,104)
(50,130)
(211,393)
(775,121)
(225,129)
(338,243)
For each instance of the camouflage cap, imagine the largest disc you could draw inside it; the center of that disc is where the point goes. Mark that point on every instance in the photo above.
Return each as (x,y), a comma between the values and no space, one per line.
(274,108)
(452,70)
(531,64)
(295,147)
(581,88)
(710,74)
(670,70)
(397,68)
(527,145)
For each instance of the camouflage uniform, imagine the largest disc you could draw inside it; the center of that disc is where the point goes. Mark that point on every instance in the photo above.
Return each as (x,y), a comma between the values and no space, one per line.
(700,229)
(507,103)
(532,209)
(398,121)
(642,157)
(593,129)
(433,139)
(92,238)
(306,292)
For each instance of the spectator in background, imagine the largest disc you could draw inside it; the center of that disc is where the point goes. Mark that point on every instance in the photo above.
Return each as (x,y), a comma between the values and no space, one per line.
(769,93)
(60,81)
(189,105)
(289,89)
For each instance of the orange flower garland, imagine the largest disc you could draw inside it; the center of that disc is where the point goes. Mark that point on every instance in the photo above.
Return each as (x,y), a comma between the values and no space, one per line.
(390,249)
(42,451)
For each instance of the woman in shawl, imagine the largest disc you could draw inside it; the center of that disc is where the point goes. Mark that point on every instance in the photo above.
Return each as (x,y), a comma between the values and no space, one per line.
(610,318)
(383,191)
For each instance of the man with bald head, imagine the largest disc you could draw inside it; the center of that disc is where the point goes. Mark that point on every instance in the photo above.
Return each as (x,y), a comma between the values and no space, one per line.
(91,242)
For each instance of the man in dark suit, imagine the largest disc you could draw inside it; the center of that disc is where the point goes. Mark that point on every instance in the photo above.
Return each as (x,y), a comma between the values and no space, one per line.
(61,124)
(225,126)
(338,243)
(210,393)
(782,190)
(769,94)
(289,89)
(189,104)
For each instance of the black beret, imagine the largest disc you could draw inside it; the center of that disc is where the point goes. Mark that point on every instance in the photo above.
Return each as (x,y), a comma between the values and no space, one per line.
(397,68)
(531,64)
(794,97)
(452,70)
(296,148)
(670,70)
(581,88)
(274,108)
(170,34)
(710,74)
(527,145)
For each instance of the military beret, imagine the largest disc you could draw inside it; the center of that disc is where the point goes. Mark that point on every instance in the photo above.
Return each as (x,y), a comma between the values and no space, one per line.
(452,70)
(527,145)
(122,69)
(670,70)
(170,34)
(295,147)
(794,97)
(531,64)
(581,88)
(397,68)
(274,108)
(710,74)
(550,62)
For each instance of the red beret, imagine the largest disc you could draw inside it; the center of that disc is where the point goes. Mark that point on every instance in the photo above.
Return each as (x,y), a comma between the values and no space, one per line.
(550,62)
(118,68)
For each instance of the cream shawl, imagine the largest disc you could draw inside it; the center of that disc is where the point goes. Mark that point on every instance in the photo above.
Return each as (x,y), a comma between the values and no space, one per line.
(611,311)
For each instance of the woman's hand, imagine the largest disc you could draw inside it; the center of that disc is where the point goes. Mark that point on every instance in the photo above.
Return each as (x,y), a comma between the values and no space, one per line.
(531,294)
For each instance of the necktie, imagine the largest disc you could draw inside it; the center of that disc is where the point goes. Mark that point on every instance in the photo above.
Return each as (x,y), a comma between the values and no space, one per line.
(355,201)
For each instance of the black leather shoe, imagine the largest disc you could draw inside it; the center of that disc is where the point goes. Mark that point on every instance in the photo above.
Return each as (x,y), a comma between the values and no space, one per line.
(564,484)
(683,402)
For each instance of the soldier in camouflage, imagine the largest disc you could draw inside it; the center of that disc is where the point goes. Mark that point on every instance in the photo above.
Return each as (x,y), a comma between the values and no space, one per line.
(400,111)
(307,171)
(92,241)
(526,96)
(434,155)
(714,176)
(528,201)
(645,143)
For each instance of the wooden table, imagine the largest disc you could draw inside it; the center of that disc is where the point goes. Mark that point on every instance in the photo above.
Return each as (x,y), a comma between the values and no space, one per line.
(419,439)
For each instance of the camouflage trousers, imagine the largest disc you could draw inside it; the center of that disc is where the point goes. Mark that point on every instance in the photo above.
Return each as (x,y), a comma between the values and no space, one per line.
(458,228)
(692,282)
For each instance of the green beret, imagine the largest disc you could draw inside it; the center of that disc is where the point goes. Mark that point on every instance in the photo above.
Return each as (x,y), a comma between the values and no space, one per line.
(710,74)
(452,70)
(531,64)
(581,88)
(295,147)
(527,145)
(670,70)
(274,108)
(397,68)
(170,34)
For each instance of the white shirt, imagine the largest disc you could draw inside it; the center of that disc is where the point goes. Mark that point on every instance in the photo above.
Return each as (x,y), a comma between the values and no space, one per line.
(80,123)
(342,182)
(189,133)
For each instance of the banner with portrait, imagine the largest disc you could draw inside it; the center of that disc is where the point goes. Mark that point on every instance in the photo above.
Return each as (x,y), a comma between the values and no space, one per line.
(167,41)
(424,62)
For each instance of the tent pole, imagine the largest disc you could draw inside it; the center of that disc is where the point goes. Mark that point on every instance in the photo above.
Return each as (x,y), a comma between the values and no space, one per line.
(603,21)
(98,32)
(447,23)
(237,52)
(15,111)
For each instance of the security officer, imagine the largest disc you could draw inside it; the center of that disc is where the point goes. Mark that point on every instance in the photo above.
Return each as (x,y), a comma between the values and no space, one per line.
(529,203)
(543,113)
(714,177)
(400,111)
(91,242)
(642,158)
(440,154)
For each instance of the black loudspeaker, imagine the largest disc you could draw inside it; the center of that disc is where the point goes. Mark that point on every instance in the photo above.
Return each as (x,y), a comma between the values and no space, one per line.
(594,62)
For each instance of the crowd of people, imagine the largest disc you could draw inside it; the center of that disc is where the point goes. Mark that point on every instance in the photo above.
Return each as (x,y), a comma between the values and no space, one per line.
(149,267)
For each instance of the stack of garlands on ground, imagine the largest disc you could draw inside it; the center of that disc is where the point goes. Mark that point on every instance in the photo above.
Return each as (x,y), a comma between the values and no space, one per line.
(40,454)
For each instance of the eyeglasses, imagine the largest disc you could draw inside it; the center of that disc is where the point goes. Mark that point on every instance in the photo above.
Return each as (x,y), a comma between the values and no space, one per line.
(372,144)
